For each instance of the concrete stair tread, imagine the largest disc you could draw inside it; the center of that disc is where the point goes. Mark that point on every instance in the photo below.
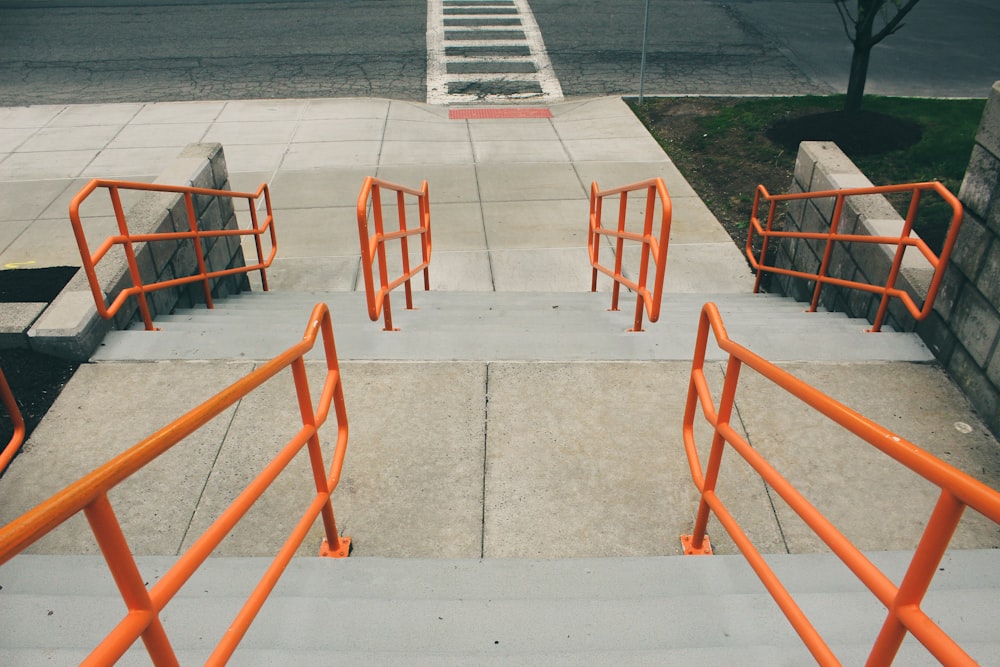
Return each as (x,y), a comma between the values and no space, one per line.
(377,609)
(529,326)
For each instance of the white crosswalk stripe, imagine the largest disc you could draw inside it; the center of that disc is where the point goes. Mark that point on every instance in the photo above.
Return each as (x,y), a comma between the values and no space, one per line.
(486,50)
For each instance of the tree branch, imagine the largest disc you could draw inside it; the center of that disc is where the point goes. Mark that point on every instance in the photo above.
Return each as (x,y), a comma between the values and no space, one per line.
(845,15)
(895,23)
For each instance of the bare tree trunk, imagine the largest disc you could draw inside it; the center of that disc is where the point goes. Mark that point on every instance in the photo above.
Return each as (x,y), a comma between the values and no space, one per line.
(858,78)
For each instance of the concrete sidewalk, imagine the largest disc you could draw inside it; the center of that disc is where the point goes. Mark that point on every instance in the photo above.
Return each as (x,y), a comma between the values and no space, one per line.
(459,459)
(509,196)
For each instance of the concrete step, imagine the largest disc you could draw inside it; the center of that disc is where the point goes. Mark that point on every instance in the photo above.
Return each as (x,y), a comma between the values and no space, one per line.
(394,611)
(508,326)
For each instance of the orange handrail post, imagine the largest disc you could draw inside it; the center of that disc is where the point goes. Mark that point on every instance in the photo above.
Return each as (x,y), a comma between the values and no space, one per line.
(832,236)
(958,491)
(127,240)
(373,244)
(652,247)
(90,496)
(16,420)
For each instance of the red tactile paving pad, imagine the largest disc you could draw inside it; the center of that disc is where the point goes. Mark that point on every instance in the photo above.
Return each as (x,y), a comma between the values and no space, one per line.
(500,112)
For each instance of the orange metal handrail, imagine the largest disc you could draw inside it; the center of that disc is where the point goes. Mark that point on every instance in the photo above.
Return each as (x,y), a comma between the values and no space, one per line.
(90,496)
(903,241)
(958,491)
(16,421)
(127,240)
(373,244)
(653,247)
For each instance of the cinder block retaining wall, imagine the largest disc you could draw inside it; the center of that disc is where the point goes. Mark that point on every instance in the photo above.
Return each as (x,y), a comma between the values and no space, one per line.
(963,330)
(71,327)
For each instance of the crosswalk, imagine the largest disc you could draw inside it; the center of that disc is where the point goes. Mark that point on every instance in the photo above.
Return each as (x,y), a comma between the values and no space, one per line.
(486,51)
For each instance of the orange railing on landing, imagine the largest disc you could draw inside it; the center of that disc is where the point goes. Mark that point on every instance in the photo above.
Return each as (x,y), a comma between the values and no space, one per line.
(127,240)
(652,247)
(90,496)
(16,421)
(958,491)
(902,241)
(373,244)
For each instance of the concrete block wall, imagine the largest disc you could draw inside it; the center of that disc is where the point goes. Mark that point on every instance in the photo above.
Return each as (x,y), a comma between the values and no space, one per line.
(963,330)
(199,165)
(71,328)
(821,165)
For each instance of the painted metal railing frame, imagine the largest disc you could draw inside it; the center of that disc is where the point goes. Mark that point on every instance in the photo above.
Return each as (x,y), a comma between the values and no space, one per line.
(16,420)
(127,240)
(903,241)
(373,244)
(653,247)
(90,496)
(958,491)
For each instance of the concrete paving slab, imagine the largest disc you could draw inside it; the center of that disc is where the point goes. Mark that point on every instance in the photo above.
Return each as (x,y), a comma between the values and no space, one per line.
(249,181)
(528,182)
(261,110)
(124,162)
(91,422)
(177,112)
(51,243)
(603,150)
(431,128)
(466,271)
(572,128)
(251,132)
(487,152)
(300,274)
(363,154)
(445,183)
(585,459)
(540,270)
(508,129)
(338,129)
(315,188)
(344,107)
(29,116)
(27,201)
(97,205)
(706,267)
(403,110)
(410,488)
(879,505)
(692,222)
(537,224)
(10,230)
(176,135)
(12,138)
(614,174)
(456,227)
(49,164)
(602,107)
(71,138)
(254,158)
(79,115)
(425,152)
(316,232)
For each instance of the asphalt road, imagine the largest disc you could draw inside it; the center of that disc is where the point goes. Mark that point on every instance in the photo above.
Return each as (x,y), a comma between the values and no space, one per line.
(60,51)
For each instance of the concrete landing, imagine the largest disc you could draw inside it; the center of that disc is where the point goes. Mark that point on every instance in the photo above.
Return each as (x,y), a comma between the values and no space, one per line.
(503,459)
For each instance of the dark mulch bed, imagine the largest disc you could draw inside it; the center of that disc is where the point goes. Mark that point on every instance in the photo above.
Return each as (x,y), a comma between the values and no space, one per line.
(858,133)
(35,379)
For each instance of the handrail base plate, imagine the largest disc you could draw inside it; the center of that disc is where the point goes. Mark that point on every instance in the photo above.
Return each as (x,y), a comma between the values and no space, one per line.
(689,550)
